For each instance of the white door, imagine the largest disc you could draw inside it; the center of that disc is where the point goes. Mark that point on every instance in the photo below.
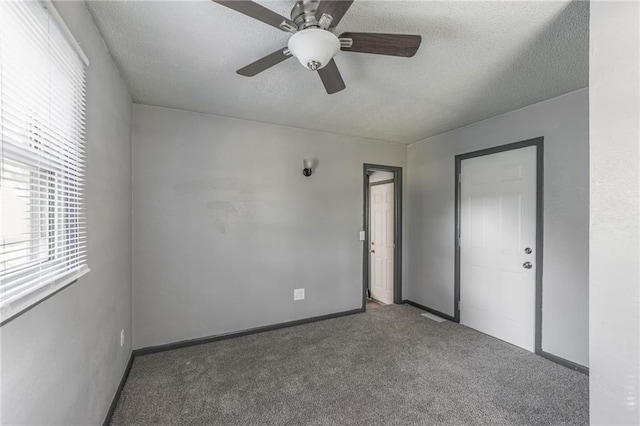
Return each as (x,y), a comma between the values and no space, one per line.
(382,242)
(498,245)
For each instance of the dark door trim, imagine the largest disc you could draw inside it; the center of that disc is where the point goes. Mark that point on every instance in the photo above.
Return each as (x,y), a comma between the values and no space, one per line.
(397,254)
(539,144)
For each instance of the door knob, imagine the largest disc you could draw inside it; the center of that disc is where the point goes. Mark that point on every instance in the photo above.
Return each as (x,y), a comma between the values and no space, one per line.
(527,265)
(527,250)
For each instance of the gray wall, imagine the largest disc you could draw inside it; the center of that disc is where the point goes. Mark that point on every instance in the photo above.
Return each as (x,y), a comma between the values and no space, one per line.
(564,123)
(226,225)
(62,360)
(614,108)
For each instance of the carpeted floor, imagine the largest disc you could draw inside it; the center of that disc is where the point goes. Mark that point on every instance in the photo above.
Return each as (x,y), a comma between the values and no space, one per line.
(388,366)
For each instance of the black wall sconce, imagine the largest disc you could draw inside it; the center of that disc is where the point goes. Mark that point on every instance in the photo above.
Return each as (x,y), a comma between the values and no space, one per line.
(308,166)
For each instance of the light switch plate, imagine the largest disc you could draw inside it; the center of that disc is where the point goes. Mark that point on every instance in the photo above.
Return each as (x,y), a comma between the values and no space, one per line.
(363,236)
(298,294)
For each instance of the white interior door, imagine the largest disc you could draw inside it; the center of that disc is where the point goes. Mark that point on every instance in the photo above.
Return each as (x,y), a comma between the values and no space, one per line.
(382,242)
(498,245)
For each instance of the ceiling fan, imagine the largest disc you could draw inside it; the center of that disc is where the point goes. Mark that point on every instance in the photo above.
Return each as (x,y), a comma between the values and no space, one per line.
(312,41)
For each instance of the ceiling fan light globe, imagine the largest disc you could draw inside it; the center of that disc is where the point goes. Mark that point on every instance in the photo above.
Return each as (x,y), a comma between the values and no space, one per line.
(314,46)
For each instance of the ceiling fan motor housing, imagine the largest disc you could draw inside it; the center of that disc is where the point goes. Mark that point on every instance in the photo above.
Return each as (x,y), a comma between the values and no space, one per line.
(313,47)
(304,13)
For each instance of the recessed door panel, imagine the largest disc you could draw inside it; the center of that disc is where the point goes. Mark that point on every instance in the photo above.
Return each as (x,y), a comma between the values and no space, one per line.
(511,225)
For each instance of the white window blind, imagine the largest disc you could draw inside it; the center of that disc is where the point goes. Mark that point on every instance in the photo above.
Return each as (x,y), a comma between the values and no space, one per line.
(42,167)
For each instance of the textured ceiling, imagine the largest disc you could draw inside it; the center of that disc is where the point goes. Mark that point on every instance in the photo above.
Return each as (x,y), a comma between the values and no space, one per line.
(477,60)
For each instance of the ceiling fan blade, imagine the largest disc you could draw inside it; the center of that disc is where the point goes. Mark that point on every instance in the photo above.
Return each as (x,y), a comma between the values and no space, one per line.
(265,63)
(260,13)
(331,78)
(335,8)
(383,44)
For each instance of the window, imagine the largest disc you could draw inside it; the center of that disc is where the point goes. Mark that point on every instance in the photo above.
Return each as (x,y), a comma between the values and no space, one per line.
(42,109)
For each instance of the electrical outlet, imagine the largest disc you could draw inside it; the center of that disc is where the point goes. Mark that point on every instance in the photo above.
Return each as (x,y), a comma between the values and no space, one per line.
(122,337)
(298,294)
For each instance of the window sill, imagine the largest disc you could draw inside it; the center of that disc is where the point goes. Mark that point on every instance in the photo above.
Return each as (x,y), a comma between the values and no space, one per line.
(13,312)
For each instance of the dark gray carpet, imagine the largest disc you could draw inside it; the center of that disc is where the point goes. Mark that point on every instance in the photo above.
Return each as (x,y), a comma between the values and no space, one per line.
(388,366)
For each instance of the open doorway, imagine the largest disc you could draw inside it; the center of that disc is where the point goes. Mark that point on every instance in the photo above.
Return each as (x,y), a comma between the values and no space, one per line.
(382,252)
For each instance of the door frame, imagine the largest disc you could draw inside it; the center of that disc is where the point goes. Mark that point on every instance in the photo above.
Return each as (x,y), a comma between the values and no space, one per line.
(539,144)
(397,211)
